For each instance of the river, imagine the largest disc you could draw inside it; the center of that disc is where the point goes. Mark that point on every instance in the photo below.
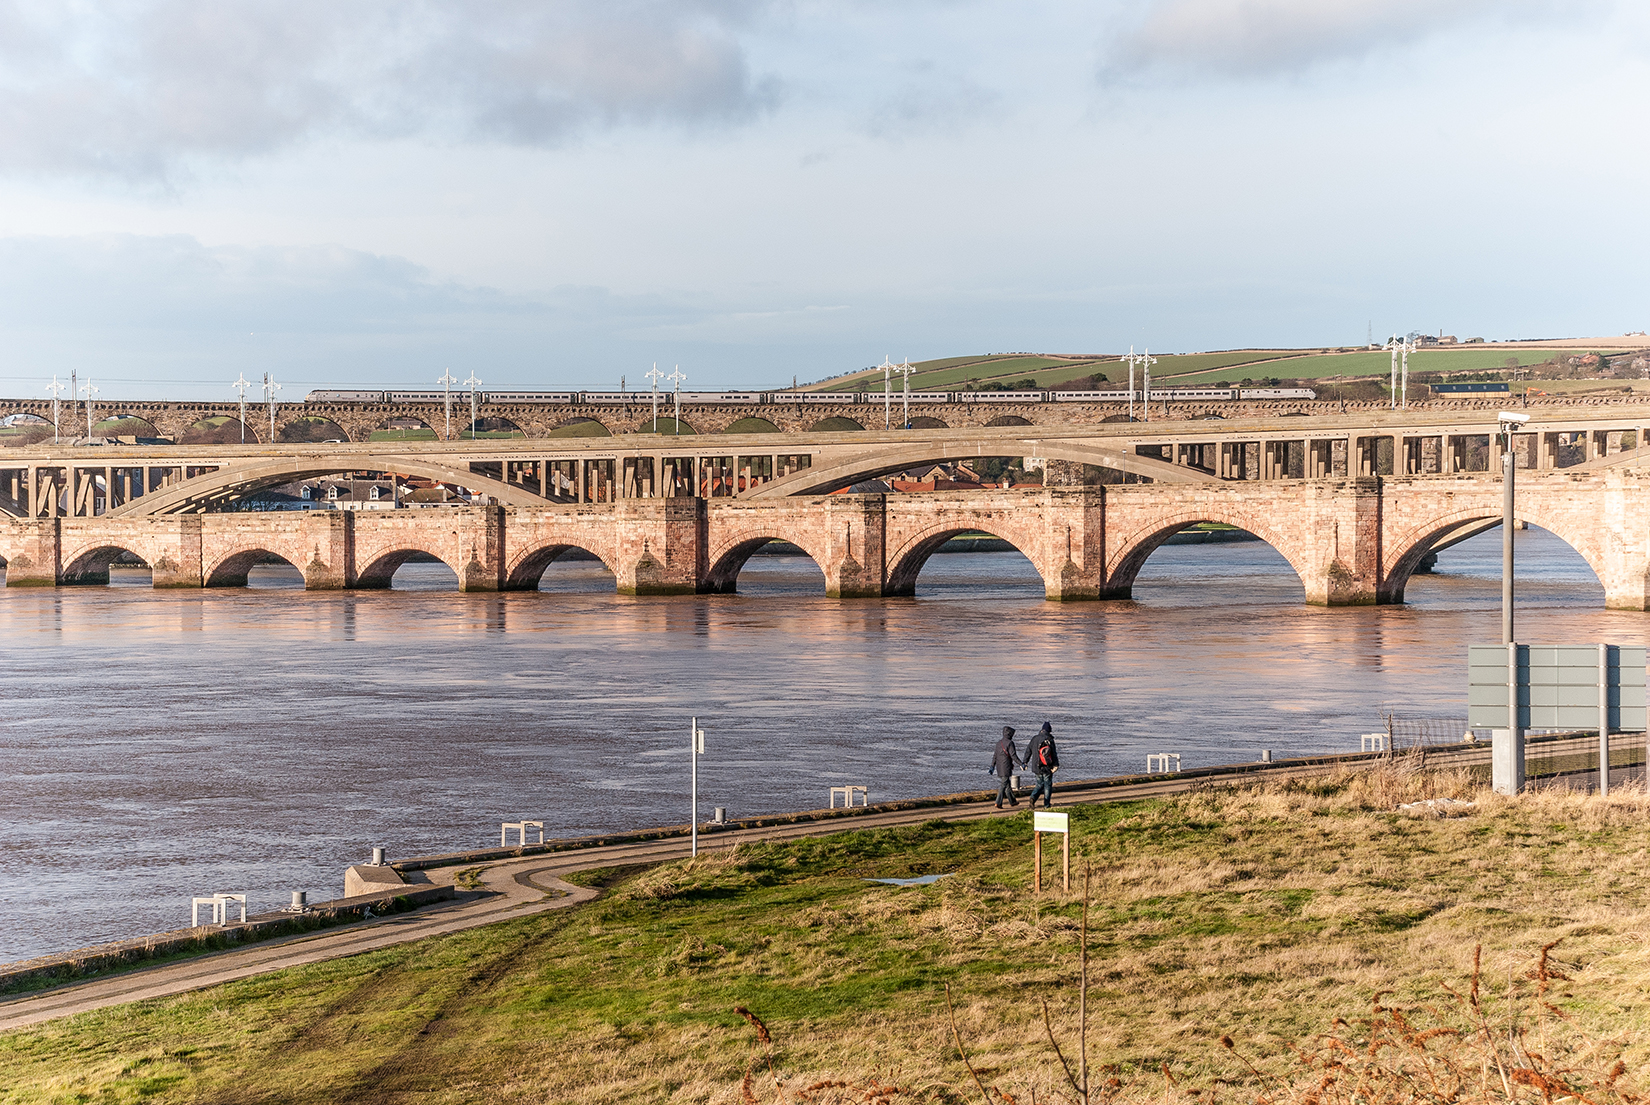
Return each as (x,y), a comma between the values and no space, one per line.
(159,745)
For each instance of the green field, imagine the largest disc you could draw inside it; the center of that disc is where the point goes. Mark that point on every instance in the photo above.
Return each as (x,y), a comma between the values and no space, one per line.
(1319,366)
(422,434)
(1270,916)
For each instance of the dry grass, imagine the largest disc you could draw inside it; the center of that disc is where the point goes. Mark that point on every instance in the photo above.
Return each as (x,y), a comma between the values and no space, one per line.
(1261,915)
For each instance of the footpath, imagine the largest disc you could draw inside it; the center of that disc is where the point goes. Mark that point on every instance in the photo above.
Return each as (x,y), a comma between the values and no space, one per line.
(497,884)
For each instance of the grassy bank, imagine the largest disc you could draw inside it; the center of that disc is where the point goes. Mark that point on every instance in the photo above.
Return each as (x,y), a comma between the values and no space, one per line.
(1262,915)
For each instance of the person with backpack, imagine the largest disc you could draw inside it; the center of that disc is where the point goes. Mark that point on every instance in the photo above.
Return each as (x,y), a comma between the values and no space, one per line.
(1003,763)
(1044,759)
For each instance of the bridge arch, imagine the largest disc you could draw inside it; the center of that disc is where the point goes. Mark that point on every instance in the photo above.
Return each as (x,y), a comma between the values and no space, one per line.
(232,568)
(907,561)
(526,569)
(220,429)
(729,558)
(580,427)
(1009,420)
(310,429)
(834,425)
(1411,546)
(379,571)
(90,564)
(1130,552)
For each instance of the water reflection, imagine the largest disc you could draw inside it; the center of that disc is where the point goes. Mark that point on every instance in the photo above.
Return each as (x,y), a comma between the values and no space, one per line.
(172,743)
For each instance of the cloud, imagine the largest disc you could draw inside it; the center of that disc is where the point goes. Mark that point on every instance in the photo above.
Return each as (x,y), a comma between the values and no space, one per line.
(940,104)
(1250,38)
(135,89)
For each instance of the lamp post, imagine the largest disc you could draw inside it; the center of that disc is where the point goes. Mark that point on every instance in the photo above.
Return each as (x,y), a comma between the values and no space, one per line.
(89,391)
(240,385)
(905,371)
(56,388)
(1146,361)
(696,748)
(270,388)
(447,381)
(1507,754)
(676,378)
(472,383)
(653,376)
(887,392)
(1399,385)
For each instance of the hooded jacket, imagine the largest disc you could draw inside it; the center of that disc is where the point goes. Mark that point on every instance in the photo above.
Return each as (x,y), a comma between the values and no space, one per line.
(1007,758)
(1035,756)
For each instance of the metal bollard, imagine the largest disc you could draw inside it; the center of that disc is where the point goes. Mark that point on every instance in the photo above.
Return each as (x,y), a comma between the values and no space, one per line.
(300,900)
(1265,755)
(378,857)
(720,817)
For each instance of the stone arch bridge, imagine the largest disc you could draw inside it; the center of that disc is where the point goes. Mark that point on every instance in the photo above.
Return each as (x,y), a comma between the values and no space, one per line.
(1352,541)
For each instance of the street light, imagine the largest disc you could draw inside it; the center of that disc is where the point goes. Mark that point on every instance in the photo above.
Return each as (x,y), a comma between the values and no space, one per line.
(447,381)
(653,376)
(905,370)
(676,378)
(696,748)
(90,391)
(1507,754)
(270,388)
(472,383)
(240,385)
(56,388)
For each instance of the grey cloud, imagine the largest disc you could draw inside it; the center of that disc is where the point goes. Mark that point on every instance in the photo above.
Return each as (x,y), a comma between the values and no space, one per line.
(136,89)
(938,104)
(1247,38)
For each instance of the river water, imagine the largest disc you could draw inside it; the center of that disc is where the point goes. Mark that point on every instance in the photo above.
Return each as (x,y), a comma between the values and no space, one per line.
(158,745)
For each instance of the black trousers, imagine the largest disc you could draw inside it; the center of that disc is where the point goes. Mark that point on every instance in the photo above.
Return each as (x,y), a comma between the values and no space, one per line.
(1005,789)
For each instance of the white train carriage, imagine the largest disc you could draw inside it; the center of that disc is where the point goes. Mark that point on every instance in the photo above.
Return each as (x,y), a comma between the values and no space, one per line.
(1090,396)
(1277,393)
(999,396)
(612,397)
(423,396)
(1224,395)
(915,396)
(846,397)
(344,395)
(714,396)
(529,397)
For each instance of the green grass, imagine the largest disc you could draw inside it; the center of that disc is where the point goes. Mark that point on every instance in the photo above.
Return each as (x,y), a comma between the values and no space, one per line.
(1262,914)
(587,428)
(1318,366)
(422,434)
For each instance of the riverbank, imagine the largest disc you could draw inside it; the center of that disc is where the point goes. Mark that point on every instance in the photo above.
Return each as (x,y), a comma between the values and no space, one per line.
(1261,912)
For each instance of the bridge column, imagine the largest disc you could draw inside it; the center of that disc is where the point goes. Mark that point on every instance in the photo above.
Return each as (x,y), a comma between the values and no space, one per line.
(1341,526)
(36,561)
(181,565)
(1320,459)
(661,546)
(331,537)
(1620,552)
(1075,543)
(483,531)
(856,529)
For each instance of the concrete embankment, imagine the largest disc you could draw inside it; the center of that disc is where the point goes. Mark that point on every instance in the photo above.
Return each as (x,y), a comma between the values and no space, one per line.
(401,885)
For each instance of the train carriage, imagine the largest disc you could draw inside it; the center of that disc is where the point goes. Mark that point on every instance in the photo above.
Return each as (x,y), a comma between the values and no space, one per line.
(345,395)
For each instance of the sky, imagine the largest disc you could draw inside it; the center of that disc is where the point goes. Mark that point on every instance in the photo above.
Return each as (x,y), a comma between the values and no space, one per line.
(561,193)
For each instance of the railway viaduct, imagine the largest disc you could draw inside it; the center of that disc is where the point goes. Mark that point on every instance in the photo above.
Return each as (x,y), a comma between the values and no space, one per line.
(1352,504)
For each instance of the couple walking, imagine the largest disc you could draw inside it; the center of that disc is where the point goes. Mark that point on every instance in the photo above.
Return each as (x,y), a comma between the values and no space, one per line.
(1041,757)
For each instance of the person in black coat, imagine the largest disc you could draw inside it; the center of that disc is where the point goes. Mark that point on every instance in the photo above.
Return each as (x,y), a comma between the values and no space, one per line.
(1003,763)
(1044,759)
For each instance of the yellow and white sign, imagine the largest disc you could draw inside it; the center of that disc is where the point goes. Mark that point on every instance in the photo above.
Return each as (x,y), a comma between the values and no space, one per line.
(1044,821)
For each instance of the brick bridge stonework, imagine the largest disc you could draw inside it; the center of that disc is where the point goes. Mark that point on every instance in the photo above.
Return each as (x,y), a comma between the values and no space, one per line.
(1351,541)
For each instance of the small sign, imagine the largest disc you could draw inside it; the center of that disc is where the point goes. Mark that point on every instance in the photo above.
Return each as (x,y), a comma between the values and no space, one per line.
(1042,821)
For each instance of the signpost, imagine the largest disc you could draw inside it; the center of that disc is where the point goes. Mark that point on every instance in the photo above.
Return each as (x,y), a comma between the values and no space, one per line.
(696,748)
(1045,821)
(1556,687)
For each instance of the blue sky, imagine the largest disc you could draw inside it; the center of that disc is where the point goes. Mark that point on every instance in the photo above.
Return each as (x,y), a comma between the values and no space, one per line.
(558,194)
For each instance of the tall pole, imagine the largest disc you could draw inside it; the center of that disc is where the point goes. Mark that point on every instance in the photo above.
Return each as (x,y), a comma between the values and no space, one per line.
(1392,385)
(472,383)
(56,388)
(74,390)
(905,370)
(1507,756)
(270,388)
(1146,362)
(90,391)
(887,393)
(1131,383)
(653,378)
(240,385)
(1403,383)
(447,381)
(696,745)
(676,378)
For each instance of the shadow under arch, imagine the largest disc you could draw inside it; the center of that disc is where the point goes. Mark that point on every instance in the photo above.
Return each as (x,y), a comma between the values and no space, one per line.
(220,429)
(902,577)
(90,567)
(377,575)
(526,573)
(1440,533)
(1136,549)
(723,577)
(232,570)
(312,429)
(1009,420)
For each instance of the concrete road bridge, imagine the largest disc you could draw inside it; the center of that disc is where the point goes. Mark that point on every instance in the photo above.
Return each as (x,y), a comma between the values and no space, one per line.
(1352,503)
